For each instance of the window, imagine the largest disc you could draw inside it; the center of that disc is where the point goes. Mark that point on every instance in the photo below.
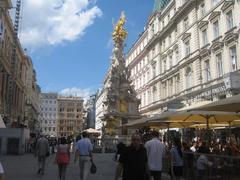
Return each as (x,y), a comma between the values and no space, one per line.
(153,52)
(149,96)
(204,37)
(164,65)
(152,29)
(207,71)
(216,29)
(185,23)
(187,48)
(219,65)
(202,9)
(177,85)
(170,61)
(164,90)
(176,56)
(233,57)
(154,93)
(154,70)
(170,87)
(144,99)
(188,77)
(176,32)
(229,17)
(170,39)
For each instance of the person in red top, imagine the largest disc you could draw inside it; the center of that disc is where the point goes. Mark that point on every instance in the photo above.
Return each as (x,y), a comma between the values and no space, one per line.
(62,158)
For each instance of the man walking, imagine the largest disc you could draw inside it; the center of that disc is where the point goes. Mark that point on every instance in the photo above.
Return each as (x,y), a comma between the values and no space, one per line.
(133,161)
(42,151)
(155,152)
(83,152)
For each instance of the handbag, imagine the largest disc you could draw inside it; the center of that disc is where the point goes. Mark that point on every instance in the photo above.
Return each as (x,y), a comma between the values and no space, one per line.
(93,168)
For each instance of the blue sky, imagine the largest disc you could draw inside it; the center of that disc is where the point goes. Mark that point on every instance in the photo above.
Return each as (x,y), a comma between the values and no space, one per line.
(70,41)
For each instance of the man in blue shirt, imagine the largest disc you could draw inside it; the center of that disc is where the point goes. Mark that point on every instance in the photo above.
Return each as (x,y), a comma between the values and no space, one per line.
(84,149)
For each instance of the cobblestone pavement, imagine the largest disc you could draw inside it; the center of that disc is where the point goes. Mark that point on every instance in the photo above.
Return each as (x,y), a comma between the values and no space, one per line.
(25,168)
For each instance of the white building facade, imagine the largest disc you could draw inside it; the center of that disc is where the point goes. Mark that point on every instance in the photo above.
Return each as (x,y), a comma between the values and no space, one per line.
(49,113)
(100,109)
(188,53)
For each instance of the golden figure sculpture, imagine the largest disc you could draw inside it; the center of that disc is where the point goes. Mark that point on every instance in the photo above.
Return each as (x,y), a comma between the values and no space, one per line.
(119,33)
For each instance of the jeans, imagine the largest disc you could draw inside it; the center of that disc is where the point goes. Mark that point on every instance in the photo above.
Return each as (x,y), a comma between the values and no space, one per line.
(84,165)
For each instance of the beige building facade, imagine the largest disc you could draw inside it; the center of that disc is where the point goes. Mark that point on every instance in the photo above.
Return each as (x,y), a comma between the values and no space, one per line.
(13,101)
(188,53)
(70,116)
(49,114)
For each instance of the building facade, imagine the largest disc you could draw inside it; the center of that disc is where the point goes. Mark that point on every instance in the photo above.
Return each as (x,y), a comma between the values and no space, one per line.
(14,89)
(188,53)
(70,116)
(100,108)
(91,112)
(49,114)
(32,101)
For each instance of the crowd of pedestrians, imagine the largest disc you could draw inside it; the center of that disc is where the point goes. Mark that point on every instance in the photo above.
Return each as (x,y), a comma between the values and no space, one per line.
(146,160)
(83,154)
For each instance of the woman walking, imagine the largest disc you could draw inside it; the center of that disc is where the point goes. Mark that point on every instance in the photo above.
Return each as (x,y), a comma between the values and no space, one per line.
(62,158)
(176,159)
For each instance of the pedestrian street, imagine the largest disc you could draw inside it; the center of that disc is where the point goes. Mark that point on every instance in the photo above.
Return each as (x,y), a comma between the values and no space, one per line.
(25,168)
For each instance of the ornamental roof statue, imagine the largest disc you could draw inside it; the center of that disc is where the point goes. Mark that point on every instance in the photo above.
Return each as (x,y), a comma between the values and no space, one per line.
(119,34)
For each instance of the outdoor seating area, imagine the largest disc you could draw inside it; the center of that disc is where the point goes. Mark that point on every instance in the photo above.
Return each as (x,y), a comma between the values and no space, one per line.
(210,125)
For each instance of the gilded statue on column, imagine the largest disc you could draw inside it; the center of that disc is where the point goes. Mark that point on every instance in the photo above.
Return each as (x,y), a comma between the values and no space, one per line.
(119,34)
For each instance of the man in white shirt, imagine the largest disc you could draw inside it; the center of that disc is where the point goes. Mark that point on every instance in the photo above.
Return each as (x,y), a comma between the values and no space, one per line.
(155,152)
(84,149)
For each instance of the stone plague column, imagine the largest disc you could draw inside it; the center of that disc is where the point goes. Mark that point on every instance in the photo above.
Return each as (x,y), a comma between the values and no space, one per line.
(121,101)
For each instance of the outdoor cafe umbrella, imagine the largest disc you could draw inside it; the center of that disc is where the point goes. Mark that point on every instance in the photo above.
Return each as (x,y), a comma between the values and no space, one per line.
(208,117)
(150,121)
(205,117)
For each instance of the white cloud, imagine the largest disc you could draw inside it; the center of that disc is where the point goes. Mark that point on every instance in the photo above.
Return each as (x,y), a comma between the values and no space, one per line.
(84,93)
(50,22)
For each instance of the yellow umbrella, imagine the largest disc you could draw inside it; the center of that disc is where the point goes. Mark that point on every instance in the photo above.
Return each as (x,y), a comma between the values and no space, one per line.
(208,117)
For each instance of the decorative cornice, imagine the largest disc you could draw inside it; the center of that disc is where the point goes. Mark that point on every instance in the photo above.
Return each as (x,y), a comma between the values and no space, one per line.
(227,4)
(230,37)
(170,51)
(216,45)
(186,36)
(153,62)
(205,51)
(214,14)
(202,24)
(175,47)
(163,56)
